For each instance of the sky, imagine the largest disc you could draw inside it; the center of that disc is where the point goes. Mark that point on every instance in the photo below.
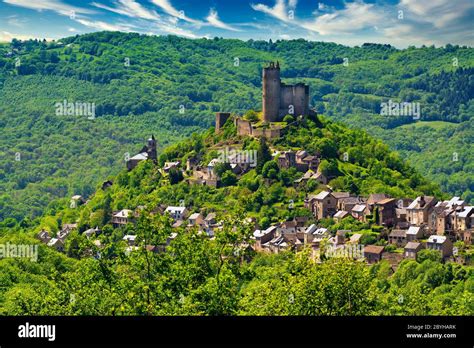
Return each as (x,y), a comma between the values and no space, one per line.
(401,23)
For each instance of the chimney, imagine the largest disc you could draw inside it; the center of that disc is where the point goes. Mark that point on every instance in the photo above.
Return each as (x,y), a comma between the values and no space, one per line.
(422,201)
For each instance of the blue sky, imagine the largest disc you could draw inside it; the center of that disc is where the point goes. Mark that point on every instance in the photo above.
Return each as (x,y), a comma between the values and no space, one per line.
(399,22)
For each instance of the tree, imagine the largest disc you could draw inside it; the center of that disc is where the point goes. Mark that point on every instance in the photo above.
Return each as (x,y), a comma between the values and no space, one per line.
(428,254)
(263,155)
(175,175)
(251,116)
(270,170)
(228,178)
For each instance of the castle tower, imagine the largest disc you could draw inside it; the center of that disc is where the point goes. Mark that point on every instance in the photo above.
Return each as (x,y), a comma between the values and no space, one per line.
(271,92)
(151,148)
(221,119)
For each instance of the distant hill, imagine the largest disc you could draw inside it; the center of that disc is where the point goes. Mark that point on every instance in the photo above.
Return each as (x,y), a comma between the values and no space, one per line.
(172,86)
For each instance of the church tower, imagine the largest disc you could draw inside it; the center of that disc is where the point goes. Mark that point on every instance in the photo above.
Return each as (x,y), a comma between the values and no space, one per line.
(271,85)
(151,148)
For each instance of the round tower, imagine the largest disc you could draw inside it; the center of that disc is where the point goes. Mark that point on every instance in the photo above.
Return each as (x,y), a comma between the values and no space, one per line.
(271,92)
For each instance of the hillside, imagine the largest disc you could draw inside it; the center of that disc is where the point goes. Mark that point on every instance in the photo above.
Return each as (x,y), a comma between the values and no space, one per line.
(180,269)
(172,86)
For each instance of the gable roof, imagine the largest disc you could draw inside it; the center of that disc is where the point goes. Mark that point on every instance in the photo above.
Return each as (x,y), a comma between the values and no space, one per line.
(172,209)
(359,208)
(413,230)
(416,203)
(398,233)
(339,195)
(341,214)
(437,239)
(376,197)
(321,195)
(412,245)
(373,249)
(124,213)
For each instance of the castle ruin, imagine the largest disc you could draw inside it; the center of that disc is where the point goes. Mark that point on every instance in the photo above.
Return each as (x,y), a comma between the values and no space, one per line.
(279,99)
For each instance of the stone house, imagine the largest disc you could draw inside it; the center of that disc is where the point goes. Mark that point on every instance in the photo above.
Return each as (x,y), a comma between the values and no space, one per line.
(373,253)
(412,249)
(386,212)
(440,243)
(419,210)
(397,237)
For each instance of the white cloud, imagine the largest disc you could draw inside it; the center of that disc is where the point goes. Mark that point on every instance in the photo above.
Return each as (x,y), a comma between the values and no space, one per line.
(438,12)
(51,5)
(279,11)
(16,22)
(354,16)
(213,19)
(99,25)
(129,8)
(167,7)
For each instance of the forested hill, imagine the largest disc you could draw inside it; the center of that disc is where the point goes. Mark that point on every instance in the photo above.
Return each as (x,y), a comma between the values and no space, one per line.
(100,274)
(172,86)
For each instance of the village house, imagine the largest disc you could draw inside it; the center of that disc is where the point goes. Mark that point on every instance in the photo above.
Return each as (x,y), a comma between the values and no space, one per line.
(195,219)
(57,244)
(122,217)
(341,214)
(176,213)
(414,233)
(147,152)
(211,224)
(359,212)
(65,231)
(440,243)
(324,204)
(347,203)
(92,232)
(263,236)
(375,198)
(341,236)
(76,201)
(419,210)
(311,175)
(373,253)
(44,236)
(286,159)
(386,212)
(130,239)
(169,165)
(412,249)
(397,237)
(317,237)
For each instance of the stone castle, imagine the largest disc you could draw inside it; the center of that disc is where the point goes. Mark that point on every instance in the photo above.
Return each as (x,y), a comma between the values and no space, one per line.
(278,100)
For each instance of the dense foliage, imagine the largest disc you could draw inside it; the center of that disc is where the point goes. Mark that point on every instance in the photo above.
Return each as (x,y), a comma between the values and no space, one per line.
(197,275)
(171,87)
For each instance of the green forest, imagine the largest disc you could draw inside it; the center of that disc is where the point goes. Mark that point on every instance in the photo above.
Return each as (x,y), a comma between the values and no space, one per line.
(198,275)
(172,86)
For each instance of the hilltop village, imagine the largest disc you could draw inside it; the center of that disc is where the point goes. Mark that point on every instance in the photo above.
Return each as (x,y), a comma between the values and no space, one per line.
(405,226)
